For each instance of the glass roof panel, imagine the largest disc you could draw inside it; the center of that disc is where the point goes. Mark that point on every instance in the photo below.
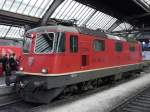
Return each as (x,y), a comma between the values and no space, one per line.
(123,26)
(11,32)
(101,21)
(35,8)
(71,9)
(147,1)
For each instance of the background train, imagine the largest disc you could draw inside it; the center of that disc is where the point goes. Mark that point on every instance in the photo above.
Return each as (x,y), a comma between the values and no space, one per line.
(59,57)
(145,48)
(9,46)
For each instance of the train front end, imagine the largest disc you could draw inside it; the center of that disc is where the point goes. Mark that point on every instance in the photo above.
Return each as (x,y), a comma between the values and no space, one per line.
(37,64)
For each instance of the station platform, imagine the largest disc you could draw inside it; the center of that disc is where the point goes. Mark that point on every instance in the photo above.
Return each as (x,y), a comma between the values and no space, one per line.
(5,89)
(2,81)
(7,93)
(103,101)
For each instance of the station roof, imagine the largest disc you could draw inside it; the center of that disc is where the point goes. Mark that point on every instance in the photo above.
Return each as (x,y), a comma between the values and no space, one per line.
(107,15)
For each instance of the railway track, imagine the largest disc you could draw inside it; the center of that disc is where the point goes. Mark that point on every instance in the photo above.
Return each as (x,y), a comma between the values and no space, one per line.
(19,106)
(138,103)
(7,95)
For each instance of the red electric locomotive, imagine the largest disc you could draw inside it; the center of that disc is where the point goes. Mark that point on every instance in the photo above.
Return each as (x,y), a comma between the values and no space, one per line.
(60,56)
(9,46)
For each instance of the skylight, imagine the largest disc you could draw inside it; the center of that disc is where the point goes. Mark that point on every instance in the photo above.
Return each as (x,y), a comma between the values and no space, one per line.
(35,8)
(101,21)
(11,32)
(123,26)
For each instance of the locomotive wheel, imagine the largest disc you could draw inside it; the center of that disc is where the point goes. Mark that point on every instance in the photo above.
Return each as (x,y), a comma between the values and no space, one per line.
(36,95)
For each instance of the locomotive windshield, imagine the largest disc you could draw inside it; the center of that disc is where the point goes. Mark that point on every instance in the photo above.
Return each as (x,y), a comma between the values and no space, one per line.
(44,43)
(27,45)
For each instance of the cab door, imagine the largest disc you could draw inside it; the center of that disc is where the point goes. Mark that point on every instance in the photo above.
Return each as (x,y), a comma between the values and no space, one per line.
(118,53)
(73,57)
(85,50)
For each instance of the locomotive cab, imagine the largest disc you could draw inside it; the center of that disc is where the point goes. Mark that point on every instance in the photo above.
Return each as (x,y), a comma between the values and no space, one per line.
(40,51)
(45,55)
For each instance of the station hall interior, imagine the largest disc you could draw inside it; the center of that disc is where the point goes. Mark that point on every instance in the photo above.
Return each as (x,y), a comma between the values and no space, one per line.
(78,55)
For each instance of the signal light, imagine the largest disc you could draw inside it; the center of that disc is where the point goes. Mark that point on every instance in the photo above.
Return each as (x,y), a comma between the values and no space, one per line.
(32,35)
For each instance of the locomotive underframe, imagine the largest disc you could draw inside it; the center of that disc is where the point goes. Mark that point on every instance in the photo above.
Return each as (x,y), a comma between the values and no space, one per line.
(43,89)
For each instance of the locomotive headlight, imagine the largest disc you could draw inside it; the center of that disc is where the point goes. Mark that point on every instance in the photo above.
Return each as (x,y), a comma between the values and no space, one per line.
(44,70)
(21,68)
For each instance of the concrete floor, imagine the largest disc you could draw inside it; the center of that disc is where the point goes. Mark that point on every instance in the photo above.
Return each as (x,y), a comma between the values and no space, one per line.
(5,89)
(2,81)
(102,101)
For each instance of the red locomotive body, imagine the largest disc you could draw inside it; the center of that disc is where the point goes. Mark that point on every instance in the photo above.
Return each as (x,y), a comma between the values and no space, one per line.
(90,53)
(58,56)
(9,46)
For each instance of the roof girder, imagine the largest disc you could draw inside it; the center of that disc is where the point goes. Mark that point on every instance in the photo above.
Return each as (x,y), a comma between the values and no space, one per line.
(17,19)
(115,25)
(50,11)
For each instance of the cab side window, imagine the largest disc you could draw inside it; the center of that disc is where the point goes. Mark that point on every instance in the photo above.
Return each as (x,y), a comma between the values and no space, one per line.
(132,47)
(118,47)
(61,43)
(74,43)
(99,45)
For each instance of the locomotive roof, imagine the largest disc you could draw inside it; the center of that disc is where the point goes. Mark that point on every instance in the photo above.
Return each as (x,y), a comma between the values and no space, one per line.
(115,37)
(73,29)
(54,28)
